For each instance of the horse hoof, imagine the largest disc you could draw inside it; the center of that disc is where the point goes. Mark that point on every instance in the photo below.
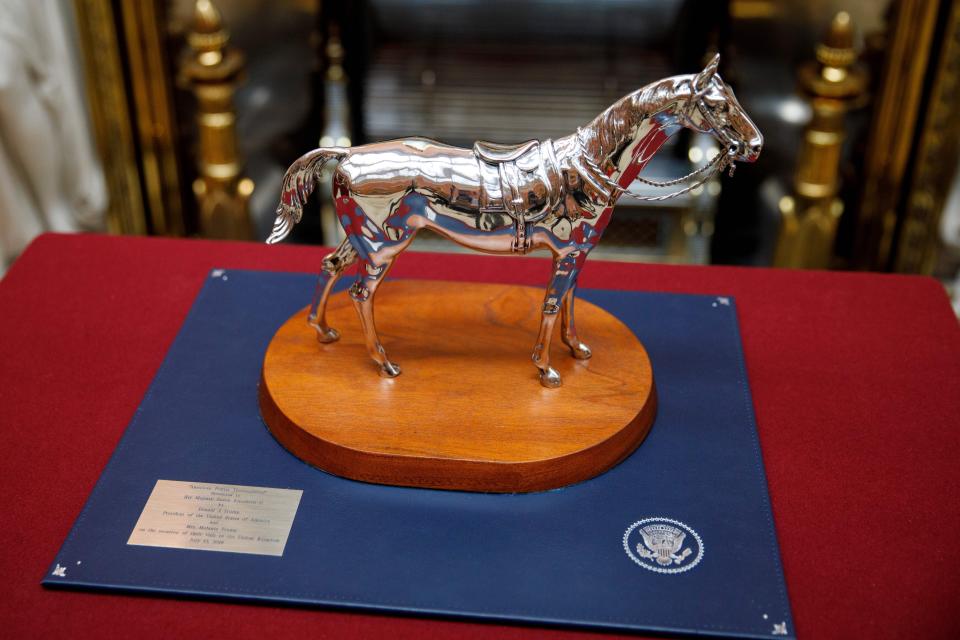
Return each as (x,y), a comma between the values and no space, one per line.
(580,351)
(550,378)
(389,370)
(326,335)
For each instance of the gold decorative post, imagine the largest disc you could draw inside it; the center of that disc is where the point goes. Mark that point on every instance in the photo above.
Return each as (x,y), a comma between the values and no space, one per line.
(336,124)
(213,71)
(809,217)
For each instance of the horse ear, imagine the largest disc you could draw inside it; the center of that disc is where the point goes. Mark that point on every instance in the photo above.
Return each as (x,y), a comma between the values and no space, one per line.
(700,82)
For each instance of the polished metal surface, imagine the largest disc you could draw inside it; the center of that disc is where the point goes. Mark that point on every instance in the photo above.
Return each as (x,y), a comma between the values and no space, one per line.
(556,195)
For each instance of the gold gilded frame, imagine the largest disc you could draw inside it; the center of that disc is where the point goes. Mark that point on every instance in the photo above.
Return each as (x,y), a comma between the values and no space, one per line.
(110,113)
(891,235)
(132,112)
(918,240)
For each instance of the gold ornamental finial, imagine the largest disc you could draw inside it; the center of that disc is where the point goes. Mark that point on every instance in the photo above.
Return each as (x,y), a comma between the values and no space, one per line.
(835,73)
(840,33)
(206,17)
(836,52)
(208,36)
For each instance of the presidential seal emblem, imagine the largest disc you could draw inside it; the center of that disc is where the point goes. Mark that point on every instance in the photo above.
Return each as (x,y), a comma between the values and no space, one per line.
(663,545)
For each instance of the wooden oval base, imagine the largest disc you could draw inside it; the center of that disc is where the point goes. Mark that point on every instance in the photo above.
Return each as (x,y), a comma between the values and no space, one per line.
(468,411)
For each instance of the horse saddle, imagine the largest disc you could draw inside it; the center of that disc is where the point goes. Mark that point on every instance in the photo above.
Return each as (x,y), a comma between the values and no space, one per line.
(522,180)
(494,152)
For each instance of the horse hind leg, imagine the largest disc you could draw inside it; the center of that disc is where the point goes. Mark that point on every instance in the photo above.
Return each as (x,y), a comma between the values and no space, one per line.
(362,292)
(568,334)
(333,266)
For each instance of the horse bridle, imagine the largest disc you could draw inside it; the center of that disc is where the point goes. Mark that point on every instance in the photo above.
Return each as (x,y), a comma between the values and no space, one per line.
(733,145)
(715,166)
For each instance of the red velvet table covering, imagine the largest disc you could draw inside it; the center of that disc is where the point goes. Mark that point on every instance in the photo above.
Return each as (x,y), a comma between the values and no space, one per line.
(855,378)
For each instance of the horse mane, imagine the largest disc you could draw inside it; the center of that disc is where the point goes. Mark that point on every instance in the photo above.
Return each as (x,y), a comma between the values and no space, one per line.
(610,130)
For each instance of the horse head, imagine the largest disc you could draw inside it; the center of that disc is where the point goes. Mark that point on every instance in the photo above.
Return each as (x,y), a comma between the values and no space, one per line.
(713,108)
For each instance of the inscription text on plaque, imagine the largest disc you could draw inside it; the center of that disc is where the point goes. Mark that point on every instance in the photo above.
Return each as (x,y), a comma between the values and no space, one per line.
(217,517)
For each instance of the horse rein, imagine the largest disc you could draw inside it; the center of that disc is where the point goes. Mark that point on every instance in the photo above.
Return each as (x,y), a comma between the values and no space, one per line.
(714,167)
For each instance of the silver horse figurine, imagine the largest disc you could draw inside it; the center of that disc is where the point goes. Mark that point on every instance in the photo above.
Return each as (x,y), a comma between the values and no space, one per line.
(508,199)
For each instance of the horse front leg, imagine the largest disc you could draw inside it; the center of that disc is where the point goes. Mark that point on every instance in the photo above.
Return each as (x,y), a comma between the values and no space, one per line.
(333,266)
(568,333)
(564,276)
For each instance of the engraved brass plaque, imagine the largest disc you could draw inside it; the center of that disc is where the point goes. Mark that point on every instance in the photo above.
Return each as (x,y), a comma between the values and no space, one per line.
(217,517)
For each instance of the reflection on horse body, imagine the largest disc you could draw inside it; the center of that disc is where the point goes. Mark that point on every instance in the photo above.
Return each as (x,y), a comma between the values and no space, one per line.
(552,194)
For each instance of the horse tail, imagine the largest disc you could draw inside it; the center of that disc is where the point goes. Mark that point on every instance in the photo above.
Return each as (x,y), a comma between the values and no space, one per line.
(298,184)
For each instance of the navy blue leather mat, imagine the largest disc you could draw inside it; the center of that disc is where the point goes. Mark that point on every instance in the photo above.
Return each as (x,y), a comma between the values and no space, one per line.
(677,538)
